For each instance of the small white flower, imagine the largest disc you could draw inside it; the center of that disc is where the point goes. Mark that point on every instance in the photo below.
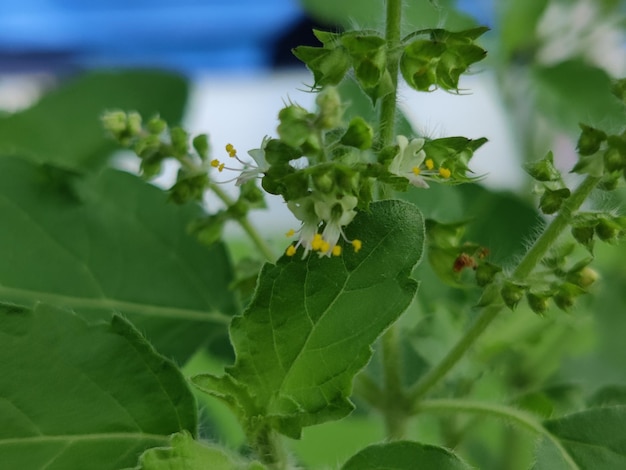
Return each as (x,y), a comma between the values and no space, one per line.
(252,171)
(408,161)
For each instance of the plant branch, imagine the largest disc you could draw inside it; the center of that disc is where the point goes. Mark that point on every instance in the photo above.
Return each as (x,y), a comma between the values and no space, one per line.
(524,268)
(522,418)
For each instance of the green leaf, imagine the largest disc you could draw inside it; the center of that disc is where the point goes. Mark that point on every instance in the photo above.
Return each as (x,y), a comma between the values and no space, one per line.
(64,127)
(594,103)
(594,439)
(310,326)
(404,455)
(111,243)
(609,395)
(74,395)
(186,453)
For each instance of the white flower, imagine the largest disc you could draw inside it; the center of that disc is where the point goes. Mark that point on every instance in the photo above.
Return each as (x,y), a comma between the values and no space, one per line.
(252,171)
(407,163)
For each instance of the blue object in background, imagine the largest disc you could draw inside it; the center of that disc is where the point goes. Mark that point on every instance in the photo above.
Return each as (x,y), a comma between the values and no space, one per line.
(185,35)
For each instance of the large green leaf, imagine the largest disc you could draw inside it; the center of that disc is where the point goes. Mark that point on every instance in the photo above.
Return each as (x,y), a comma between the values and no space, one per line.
(593,439)
(404,455)
(111,243)
(310,326)
(74,395)
(64,126)
(185,453)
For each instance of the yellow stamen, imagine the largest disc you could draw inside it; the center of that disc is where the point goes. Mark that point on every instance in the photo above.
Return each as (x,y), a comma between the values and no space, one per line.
(291,250)
(230,148)
(325,246)
(317,242)
(356,244)
(221,167)
(429,164)
(215,163)
(232,153)
(336,250)
(290,233)
(444,172)
(416,170)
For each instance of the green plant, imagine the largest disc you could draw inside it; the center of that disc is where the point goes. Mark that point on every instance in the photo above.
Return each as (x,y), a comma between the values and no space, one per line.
(298,339)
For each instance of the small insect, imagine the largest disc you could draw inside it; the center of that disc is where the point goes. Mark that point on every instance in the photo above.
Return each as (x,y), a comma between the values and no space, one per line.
(463,261)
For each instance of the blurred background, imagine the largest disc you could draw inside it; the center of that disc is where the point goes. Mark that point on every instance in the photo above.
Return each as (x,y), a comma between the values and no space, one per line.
(225,68)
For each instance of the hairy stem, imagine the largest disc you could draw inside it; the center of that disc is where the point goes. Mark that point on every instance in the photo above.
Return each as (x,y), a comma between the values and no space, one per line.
(245,224)
(387,117)
(268,448)
(524,268)
(523,419)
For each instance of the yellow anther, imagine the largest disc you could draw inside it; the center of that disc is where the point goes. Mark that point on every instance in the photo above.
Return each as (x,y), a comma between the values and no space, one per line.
(336,250)
(221,167)
(290,233)
(232,153)
(317,242)
(230,148)
(356,244)
(215,163)
(429,164)
(325,246)
(444,172)
(291,250)
(416,170)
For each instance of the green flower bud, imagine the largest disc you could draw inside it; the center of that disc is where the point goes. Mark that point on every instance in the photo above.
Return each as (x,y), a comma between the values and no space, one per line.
(614,160)
(201,145)
(147,147)
(584,235)
(566,295)
(538,303)
(512,293)
(114,122)
(583,277)
(608,230)
(180,141)
(134,123)
(544,169)
(551,201)
(329,65)
(156,125)
(359,134)
(295,126)
(323,181)
(590,140)
(486,272)
(330,109)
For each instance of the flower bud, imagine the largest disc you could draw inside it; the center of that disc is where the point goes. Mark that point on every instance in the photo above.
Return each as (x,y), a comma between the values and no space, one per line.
(330,109)
(114,122)
(538,303)
(583,277)
(486,272)
(359,134)
(201,145)
(614,160)
(584,235)
(180,141)
(544,169)
(608,230)
(590,140)
(512,293)
(551,201)
(134,123)
(156,125)
(566,295)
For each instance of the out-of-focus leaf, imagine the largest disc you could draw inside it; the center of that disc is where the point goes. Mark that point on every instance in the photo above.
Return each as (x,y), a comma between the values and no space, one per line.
(64,127)
(74,395)
(111,243)
(573,91)
(404,455)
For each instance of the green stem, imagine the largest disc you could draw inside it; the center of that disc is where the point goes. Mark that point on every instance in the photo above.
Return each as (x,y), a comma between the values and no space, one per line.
(387,118)
(521,418)
(245,224)
(395,403)
(524,268)
(394,398)
(268,448)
